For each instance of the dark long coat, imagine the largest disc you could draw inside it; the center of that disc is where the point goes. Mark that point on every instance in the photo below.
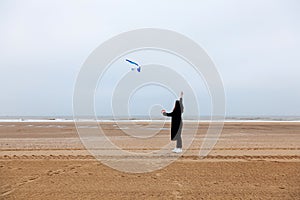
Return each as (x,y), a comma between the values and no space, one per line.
(176,121)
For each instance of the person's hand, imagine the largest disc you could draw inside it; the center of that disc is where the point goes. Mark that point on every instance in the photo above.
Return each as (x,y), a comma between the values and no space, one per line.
(181,94)
(163,111)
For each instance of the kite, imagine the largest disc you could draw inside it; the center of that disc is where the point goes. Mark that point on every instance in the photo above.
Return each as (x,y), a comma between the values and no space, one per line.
(131,62)
(134,63)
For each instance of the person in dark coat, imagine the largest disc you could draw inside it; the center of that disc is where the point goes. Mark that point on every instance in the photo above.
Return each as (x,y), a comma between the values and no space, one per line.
(176,123)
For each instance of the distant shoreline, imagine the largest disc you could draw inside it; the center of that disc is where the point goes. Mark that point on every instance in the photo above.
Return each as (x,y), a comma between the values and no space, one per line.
(139,120)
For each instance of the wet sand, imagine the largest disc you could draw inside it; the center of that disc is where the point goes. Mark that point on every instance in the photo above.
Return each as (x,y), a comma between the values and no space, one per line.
(46,160)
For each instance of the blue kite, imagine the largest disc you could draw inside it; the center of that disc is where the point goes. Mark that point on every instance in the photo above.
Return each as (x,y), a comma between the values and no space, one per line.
(131,62)
(134,63)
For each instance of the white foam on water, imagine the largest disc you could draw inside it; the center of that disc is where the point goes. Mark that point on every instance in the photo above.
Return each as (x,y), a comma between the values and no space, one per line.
(36,120)
(135,120)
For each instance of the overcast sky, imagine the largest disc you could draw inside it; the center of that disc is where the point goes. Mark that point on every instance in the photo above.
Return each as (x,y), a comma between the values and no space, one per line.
(255,45)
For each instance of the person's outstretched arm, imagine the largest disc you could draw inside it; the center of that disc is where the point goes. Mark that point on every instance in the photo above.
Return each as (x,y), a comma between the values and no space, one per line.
(166,114)
(181,101)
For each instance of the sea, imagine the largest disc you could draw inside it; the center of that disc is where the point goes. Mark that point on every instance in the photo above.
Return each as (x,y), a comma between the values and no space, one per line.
(147,118)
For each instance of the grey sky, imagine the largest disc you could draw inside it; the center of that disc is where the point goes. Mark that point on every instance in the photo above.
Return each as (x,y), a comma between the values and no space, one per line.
(254,44)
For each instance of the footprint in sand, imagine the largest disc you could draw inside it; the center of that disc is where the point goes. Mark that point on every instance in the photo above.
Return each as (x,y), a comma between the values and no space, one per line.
(61,171)
(177,183)
(177,194)
(7,189)
(56,172)
(31,178)
(6,192)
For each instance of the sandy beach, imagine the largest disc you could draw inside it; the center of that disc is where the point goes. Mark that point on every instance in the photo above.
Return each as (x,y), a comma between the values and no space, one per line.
(252,160)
